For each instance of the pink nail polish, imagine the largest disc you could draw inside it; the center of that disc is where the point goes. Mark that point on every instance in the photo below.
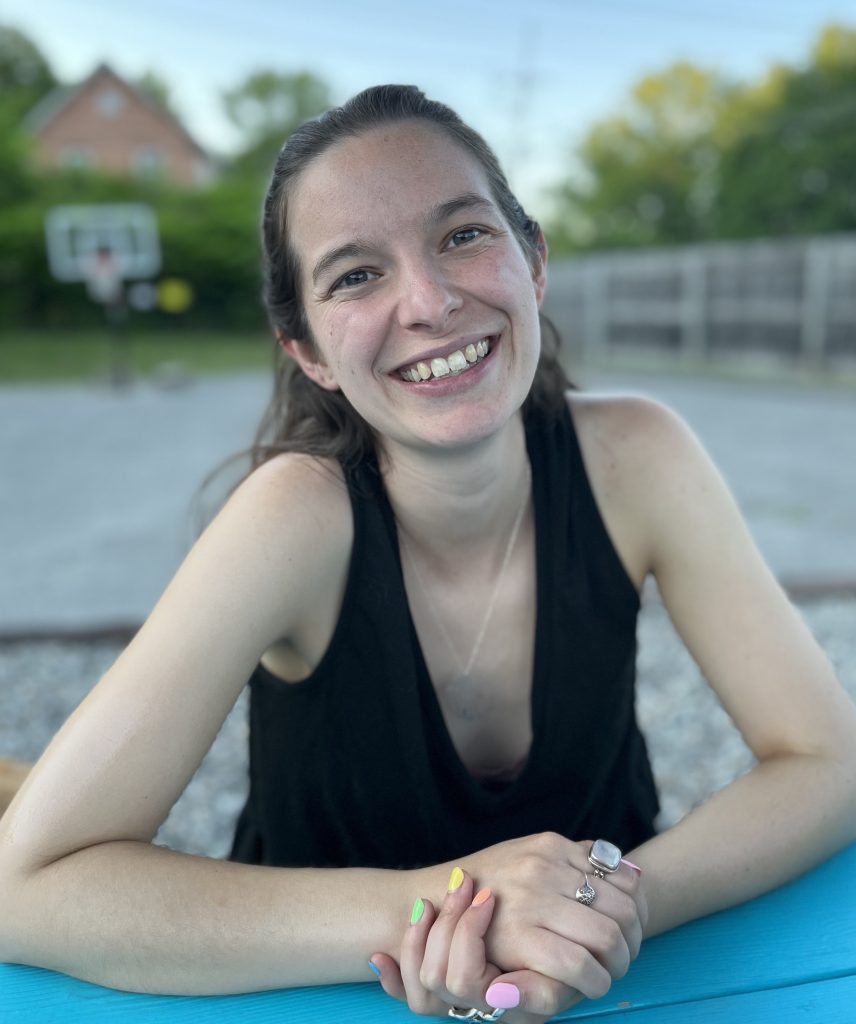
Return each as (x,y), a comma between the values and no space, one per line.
(631,865)
(502,996)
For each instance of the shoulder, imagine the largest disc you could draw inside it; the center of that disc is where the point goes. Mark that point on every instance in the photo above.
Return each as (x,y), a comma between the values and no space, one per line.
(284,536)
(647,470)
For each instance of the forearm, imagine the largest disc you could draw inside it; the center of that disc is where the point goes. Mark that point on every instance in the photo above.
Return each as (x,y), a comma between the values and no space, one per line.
(141,918)
(766,828)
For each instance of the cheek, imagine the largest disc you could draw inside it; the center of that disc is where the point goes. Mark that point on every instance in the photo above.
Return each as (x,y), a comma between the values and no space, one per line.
(350,335)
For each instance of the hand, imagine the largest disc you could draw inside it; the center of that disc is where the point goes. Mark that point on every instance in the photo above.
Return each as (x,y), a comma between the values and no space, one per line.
(538,924)
(443,963)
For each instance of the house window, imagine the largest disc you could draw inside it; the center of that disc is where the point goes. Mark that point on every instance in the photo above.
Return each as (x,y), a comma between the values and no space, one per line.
(110,103)
(148,161)
(76,158)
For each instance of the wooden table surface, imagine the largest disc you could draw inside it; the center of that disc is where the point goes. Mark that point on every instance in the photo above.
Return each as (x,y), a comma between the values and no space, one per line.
(788,956)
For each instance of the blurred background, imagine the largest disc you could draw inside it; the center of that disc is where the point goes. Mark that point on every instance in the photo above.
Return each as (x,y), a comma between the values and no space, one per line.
(694,173)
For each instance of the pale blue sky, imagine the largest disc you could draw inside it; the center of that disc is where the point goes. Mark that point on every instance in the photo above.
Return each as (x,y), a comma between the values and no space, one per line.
(531,76)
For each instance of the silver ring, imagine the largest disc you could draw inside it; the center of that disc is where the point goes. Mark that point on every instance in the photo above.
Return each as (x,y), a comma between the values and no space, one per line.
(599,874)
(604,857)
(585,894)
(459,1013)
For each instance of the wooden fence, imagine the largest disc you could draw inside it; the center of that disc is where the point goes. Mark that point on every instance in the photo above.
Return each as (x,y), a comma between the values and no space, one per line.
(794,298)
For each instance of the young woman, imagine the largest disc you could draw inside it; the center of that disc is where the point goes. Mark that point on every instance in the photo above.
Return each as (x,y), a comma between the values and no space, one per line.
(431,577)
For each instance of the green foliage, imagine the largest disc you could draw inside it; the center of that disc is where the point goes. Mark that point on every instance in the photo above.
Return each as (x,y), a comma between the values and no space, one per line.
(694,156)
(266,108)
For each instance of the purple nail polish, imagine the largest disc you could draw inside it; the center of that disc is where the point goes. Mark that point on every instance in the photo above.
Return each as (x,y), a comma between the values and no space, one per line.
(502,996)
(375,968)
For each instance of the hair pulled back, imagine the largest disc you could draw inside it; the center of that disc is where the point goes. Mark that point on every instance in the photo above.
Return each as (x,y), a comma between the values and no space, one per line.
(303,416)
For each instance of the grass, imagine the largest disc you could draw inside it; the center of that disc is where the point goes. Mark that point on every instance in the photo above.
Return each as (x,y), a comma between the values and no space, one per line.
(65,356)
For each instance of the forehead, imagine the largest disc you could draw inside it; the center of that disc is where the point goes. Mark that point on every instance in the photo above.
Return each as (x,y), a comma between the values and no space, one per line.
(382,180)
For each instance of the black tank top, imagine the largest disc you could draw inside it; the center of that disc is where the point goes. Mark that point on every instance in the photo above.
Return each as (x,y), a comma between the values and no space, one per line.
(354,766)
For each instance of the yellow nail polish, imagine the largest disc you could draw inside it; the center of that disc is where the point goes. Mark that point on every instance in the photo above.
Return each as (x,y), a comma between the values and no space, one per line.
(417,912)
(456,880)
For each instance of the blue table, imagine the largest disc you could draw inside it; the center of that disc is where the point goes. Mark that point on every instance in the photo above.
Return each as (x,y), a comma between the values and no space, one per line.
(788,956)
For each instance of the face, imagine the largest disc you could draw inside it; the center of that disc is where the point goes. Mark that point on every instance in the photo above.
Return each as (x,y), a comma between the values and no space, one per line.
(420,300)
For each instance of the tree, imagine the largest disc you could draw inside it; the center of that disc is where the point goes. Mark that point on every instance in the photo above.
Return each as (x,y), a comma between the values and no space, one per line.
(267,107)
(789,169)
(25,77)
(155,88)
(647,174)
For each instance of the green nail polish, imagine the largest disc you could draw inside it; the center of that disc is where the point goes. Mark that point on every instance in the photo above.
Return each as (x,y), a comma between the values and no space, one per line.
(417,912)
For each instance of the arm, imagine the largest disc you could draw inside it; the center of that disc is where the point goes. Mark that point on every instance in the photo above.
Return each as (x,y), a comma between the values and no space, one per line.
(82,888)
(798,805)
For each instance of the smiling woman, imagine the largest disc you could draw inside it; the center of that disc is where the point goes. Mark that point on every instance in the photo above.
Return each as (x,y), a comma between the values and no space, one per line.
(431,579)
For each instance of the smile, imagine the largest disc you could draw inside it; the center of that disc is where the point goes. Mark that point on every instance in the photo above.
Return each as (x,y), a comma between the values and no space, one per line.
(453,365)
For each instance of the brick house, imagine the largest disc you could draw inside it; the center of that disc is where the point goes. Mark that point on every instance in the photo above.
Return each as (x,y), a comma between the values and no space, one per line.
(108,125)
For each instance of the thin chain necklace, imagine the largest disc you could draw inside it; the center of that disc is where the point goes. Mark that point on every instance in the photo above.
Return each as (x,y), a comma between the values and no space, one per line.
(466,669)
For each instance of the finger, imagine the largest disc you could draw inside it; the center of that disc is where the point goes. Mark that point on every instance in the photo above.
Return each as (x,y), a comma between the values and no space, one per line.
(389,976)
(531,993)
(412,954)
(468,973)
(570,963)
(435,962)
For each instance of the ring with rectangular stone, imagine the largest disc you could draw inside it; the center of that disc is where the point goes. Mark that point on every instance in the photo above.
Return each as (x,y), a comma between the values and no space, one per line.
(604,857)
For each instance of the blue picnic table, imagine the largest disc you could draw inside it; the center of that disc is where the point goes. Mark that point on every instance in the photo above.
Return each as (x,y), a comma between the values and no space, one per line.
(785,957)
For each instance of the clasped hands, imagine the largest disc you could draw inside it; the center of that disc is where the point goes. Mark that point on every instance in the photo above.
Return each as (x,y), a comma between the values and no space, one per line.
(525,943)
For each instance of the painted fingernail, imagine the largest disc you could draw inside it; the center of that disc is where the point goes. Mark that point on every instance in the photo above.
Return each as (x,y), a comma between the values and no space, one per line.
(375,968)
(417,912)
(502,996)
(456,880)
(482,896)
(631,865)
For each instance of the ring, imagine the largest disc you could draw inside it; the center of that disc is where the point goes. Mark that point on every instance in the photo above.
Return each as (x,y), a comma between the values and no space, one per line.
(459,1013)
(585,894)
(604,857)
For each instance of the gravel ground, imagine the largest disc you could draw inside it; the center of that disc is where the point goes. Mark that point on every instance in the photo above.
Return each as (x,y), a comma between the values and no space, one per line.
(694,748)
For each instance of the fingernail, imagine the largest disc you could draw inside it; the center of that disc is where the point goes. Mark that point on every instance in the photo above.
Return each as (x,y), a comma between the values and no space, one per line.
(482,896)
(417,912)
(456,880)
(631,865)
(502,996)
(375,968)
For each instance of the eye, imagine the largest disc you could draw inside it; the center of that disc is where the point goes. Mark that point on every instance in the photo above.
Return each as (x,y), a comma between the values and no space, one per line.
(354,279)
(463,236)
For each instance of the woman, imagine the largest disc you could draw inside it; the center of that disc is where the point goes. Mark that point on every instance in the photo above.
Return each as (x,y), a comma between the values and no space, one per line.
(432,577)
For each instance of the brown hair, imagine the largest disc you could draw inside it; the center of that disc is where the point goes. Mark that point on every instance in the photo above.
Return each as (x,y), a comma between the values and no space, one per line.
(301,415)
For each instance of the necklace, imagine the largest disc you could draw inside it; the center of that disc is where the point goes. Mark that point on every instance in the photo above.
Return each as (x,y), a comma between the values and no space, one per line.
(462,668)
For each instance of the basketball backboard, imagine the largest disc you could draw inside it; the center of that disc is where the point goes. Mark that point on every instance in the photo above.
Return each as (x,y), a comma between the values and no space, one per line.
(127,231)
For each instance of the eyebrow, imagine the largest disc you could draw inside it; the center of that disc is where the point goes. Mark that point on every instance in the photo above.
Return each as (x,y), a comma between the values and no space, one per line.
(358,248)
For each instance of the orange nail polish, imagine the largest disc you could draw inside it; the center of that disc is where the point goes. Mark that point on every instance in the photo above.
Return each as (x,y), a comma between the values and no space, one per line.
(482,896)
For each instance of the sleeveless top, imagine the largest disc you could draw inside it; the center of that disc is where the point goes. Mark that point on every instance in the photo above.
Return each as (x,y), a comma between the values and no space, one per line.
(354,766)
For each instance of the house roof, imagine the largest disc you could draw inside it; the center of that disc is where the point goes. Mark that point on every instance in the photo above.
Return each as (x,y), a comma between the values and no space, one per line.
(52,105)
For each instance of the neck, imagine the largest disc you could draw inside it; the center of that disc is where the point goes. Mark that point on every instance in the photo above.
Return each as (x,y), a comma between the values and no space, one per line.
(446,502)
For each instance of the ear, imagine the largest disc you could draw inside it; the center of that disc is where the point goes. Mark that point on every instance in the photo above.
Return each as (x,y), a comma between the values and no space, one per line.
(306,357)
(540,275)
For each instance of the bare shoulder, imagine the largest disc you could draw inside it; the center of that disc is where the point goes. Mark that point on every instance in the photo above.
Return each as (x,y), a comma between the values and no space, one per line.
(295,514)
(635,450)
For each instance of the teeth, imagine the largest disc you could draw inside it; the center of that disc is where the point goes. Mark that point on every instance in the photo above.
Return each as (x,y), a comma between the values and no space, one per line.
(455,362)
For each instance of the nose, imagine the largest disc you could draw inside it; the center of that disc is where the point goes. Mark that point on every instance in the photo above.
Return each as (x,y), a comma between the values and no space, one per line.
(427,297)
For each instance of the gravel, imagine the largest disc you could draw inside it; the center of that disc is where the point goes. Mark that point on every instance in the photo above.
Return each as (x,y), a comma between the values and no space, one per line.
(694,747)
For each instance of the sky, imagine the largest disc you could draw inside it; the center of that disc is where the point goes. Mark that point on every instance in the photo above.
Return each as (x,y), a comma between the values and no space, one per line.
(531,76)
